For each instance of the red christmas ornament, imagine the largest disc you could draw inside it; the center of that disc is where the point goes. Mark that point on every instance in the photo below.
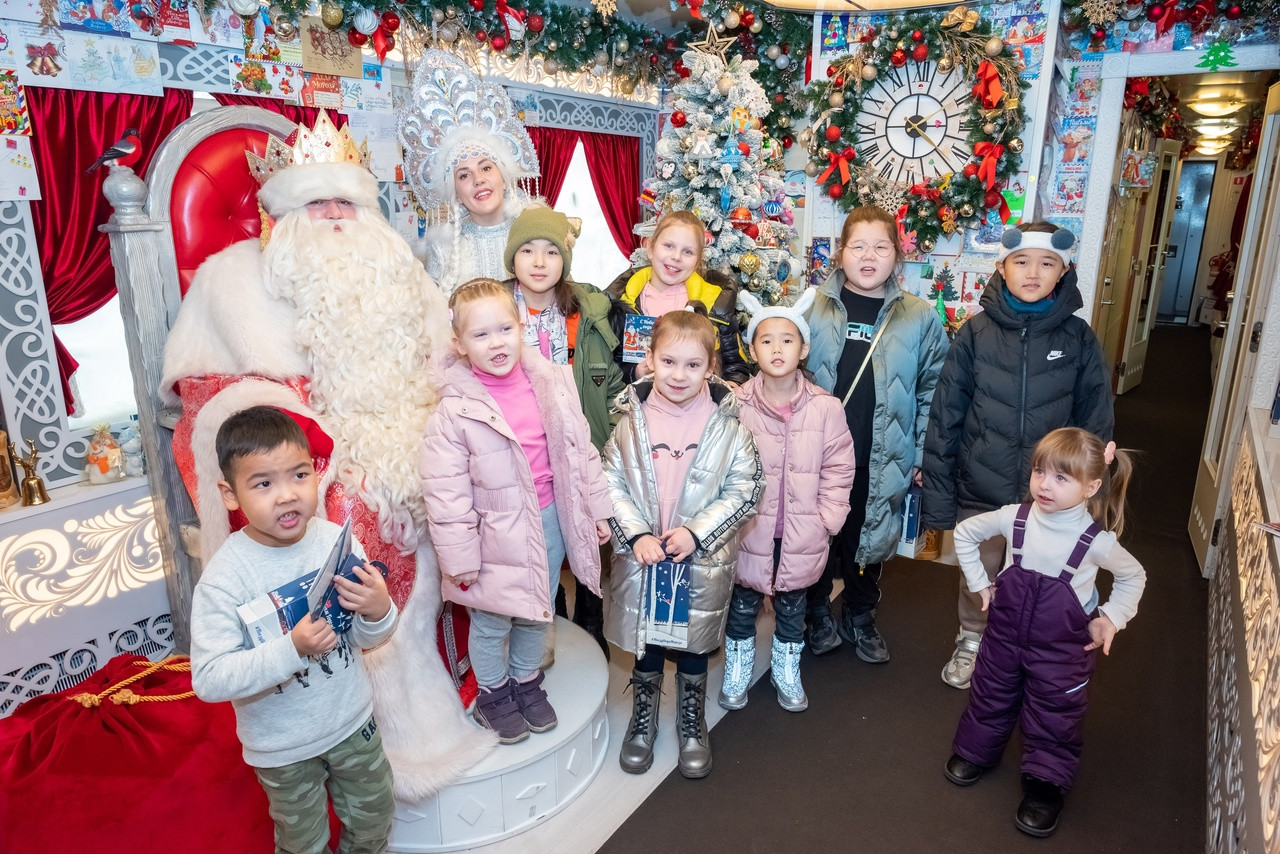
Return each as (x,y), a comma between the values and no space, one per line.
(744,149)
(390,21)
(482,36)
(836,190)
(498,43)
(970,169)
(831,71)
(357,38)
(535,23)
(786,48)
(653,59)
(1100,34)
(833,133)
(779,98)
(678,119)
(1233,13)
(752,230)
(920,52)
(478,5)
(787,142)
(992,199)
(1155,13)
(683,71)
(898,57)
(748,18)
(848,153)
(838,82)
(917,36)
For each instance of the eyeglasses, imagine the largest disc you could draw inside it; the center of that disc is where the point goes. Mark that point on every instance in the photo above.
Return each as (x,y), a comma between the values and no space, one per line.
(884,250)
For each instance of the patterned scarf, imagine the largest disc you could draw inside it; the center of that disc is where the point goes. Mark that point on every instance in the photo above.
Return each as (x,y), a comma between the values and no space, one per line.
(545,330)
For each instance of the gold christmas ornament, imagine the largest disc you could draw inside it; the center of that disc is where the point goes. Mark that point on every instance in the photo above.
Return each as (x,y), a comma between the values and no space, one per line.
(773,51)
(811,169)
(724,84)
(749,263)
(687,142)
(926,246)
(923,210)
(989,128)
(994,46)
(627,86)
(869,73)
(1015,145)
(732,20)
(551,66)
(690,171)
(783,122)
(756,26)
(945,64)
(966,210)
(331,15)
(836,99)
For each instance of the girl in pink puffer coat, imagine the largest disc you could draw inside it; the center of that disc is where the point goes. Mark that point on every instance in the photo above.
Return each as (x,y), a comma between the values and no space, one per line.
(807,454)
(512,484)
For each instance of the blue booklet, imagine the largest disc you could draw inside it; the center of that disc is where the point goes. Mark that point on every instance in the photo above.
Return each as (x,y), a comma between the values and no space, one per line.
(666,607)
(275,613)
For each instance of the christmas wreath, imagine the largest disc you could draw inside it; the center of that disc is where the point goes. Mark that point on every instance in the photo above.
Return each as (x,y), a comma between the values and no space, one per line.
(936,207)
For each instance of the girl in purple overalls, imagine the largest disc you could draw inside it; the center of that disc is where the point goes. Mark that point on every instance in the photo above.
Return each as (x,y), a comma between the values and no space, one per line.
(1045,622)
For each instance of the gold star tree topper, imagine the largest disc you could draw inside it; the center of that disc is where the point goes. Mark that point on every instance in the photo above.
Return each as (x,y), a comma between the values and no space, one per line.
(712,44)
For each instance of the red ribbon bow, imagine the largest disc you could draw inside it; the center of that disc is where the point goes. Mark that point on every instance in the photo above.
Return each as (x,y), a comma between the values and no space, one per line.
(988,89)
(35,51)
(924,191)
(838,160)
(990,153)
(503,11)
(1166,20)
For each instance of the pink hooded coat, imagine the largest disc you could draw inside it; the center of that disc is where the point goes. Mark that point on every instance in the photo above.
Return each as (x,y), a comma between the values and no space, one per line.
(482,508)
(819,460)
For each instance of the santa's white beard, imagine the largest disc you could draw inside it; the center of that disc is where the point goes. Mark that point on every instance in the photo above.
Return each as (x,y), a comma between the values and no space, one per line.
(369,317)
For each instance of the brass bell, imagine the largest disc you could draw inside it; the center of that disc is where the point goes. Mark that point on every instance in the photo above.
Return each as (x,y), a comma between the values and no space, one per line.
(32,487)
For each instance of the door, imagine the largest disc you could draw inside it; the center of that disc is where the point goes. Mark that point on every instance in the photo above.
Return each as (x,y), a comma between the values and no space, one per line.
(1190,215)
(1118,269)
(1153,236)
(1257,267)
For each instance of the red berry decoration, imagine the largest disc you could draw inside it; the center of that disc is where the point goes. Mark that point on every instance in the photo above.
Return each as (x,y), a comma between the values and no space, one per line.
(898,57)
(787,142)
(833,133)
(836,190)
(970,169)
(535,23)
(838,83)
(1233,13)
(1156,12)
(679,119)
(744,149)
(390,22)
(653,59)
(748,19)
(917,36)
(920,52)
(357,38)
(482,36)
(992,199)
(498,43)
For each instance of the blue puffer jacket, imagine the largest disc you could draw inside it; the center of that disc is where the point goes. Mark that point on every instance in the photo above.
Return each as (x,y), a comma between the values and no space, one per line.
(906,362)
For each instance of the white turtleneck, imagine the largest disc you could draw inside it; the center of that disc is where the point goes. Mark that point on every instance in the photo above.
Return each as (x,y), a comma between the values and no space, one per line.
(1049,541)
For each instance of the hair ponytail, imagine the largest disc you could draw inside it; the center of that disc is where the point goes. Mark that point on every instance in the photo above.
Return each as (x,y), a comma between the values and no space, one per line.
(1108,503)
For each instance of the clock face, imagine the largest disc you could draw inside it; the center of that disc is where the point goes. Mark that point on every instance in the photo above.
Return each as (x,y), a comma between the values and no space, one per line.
(913,123)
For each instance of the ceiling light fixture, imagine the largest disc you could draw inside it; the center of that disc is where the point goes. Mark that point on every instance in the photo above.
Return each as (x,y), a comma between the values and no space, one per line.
(1212,146)
(1217,108)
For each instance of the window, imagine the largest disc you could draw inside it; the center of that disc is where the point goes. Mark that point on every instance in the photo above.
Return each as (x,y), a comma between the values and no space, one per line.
(103,384)
(596,257)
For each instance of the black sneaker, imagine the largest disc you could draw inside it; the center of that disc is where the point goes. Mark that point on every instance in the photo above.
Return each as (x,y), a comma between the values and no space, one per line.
(1041,805)
(862,633)
(823,636)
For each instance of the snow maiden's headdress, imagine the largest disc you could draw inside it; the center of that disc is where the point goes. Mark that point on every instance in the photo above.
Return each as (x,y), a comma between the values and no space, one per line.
(453,115)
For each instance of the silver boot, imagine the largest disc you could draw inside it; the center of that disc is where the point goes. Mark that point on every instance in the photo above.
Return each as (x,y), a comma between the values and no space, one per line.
(642,732)
(691,718)
(739,660)
(784,663)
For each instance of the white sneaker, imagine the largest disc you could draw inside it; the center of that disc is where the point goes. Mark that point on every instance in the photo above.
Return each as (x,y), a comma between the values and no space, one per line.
(959,669)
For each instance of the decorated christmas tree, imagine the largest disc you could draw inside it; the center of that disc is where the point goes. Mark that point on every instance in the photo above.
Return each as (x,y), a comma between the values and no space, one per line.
(944,282)
(714,160)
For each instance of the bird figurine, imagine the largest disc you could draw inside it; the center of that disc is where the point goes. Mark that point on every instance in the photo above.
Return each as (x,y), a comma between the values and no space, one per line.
(125,152)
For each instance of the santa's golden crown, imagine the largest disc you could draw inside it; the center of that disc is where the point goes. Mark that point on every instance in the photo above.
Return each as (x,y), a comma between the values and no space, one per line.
(322,144)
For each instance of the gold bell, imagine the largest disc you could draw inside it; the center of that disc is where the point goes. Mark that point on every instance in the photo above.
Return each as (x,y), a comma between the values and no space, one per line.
(33,491)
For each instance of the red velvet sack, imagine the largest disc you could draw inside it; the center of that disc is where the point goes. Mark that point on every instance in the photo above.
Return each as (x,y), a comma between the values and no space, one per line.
(130,761)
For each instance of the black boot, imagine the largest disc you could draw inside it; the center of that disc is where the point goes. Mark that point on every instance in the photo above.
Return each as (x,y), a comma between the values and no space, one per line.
(642,732)
(695,742)
(588,612)
(1041,805)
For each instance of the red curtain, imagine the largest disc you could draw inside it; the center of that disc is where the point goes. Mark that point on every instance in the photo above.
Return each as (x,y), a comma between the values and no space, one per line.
(70,129)
(555,149)
(298,115)
(614,162)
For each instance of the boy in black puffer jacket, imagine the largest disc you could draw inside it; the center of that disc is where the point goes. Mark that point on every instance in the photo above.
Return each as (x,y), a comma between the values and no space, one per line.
(1024,366)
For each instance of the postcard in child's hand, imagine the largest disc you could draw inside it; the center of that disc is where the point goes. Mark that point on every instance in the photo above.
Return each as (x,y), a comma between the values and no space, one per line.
(666,605)
(635,337)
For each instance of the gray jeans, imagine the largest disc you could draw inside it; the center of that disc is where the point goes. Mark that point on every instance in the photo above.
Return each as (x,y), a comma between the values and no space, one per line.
(991,553)
(493,634)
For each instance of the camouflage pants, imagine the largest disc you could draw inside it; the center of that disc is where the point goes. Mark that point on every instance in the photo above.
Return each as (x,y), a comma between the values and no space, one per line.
(356,775)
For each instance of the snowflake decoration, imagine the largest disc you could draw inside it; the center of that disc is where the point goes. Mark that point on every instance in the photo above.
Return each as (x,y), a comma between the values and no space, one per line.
(606,8)
(1101,12)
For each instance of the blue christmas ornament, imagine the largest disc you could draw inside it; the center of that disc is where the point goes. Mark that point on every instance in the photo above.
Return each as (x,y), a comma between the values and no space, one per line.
(726,198)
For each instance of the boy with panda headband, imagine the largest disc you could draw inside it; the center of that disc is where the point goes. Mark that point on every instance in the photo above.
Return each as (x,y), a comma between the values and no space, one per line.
(1024,366)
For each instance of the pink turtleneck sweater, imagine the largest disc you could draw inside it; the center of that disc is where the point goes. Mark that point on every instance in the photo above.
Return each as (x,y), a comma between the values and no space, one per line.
(674,433)
(515,398)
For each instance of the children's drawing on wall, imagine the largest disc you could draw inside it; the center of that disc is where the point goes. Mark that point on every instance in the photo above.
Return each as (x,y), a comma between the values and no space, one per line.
(1068,196)
(1137,168)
